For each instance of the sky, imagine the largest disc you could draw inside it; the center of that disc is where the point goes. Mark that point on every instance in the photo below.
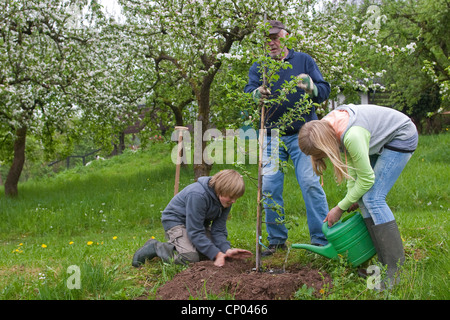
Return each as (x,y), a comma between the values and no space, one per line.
(111,7)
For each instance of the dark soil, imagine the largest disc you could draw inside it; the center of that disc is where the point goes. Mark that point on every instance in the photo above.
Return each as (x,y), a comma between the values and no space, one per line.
(237,280)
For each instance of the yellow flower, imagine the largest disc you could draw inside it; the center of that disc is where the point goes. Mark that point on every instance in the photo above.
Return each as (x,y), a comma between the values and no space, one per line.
(115,237)
(89,243)
(153,237)
(71,242)
(44,245)
(322,291)
(20,244)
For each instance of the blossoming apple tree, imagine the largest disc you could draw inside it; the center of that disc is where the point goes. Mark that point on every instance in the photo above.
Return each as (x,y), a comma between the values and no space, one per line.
(64,59)
(211,44)
(56,63)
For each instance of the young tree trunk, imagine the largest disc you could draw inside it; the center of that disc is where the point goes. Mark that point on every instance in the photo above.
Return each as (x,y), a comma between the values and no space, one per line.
(12,180)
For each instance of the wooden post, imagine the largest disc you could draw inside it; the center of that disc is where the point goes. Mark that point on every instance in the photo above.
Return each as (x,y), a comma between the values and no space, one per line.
(179,156)
(259,207)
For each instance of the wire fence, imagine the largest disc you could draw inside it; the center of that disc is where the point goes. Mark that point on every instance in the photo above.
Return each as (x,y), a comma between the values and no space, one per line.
(72,159)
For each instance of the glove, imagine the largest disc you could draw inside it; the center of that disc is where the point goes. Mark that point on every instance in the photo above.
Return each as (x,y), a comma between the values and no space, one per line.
(307,84)
(260,93)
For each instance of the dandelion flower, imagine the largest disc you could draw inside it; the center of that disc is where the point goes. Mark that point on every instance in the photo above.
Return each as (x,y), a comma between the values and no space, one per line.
(71,242)
(89,243)
(44,245)
(115,237)
(322,291)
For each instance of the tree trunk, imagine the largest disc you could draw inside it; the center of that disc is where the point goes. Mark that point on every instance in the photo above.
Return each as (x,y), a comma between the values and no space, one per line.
(203,169)
(12,180)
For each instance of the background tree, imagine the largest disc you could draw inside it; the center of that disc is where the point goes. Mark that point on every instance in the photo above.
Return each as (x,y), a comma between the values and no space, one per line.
(191,35)
(55,66)
(419,81)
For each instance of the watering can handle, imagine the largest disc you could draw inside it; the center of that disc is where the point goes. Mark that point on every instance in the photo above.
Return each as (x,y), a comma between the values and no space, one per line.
(344,217)
(325,228)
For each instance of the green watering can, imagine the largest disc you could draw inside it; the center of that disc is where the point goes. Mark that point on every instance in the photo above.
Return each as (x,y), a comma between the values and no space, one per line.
(348,237)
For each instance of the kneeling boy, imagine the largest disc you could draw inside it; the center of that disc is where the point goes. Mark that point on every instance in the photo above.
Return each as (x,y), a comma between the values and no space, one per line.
(195,223)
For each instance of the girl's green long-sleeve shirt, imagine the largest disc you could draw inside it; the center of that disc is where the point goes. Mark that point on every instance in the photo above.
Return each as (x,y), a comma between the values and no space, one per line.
(356,142)
(370,129)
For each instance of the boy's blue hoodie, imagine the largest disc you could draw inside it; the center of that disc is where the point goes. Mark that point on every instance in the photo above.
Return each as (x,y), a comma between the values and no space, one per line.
(197,206)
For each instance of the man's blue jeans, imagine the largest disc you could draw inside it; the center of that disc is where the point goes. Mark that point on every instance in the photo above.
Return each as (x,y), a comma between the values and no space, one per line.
(387,168)
(273,181)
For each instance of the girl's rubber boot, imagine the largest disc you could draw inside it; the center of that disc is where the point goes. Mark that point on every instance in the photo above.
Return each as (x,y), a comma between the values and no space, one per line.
(390,252)
(362,272)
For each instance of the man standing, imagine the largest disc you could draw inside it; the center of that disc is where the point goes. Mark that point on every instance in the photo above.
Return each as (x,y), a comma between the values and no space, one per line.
(310,81)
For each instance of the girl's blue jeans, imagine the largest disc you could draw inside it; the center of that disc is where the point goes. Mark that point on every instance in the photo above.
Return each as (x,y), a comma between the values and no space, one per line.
(387,168)
(273,181)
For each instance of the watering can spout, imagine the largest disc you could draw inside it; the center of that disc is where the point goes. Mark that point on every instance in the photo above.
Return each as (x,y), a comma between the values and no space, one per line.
(327,251)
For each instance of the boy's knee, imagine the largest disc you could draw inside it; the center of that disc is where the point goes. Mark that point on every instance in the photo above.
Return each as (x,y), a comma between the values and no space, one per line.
(188,257)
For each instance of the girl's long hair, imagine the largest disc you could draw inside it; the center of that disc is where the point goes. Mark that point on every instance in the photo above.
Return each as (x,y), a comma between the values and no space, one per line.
(318,139)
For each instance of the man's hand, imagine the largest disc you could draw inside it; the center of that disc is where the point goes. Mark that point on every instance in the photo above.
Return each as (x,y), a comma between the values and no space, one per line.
(260,94)
(333,216)
(306,83)
(219,260)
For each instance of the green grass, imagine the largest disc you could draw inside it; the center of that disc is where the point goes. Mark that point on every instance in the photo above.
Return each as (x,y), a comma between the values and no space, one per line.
(96,217)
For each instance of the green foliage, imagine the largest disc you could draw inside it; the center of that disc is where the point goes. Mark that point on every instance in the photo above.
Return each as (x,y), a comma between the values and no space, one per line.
(419,80)
(65,79)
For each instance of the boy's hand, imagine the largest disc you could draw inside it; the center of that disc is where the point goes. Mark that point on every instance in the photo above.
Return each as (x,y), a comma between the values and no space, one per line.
(219,260)
(238,254)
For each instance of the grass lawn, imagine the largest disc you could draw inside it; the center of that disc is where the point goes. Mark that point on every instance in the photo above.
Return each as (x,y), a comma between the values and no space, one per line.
(88,221)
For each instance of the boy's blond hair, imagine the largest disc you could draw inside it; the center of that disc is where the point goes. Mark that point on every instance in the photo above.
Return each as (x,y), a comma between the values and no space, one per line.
(228,183)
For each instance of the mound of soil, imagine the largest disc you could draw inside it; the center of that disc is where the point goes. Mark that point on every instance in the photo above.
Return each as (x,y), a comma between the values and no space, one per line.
(237,280)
